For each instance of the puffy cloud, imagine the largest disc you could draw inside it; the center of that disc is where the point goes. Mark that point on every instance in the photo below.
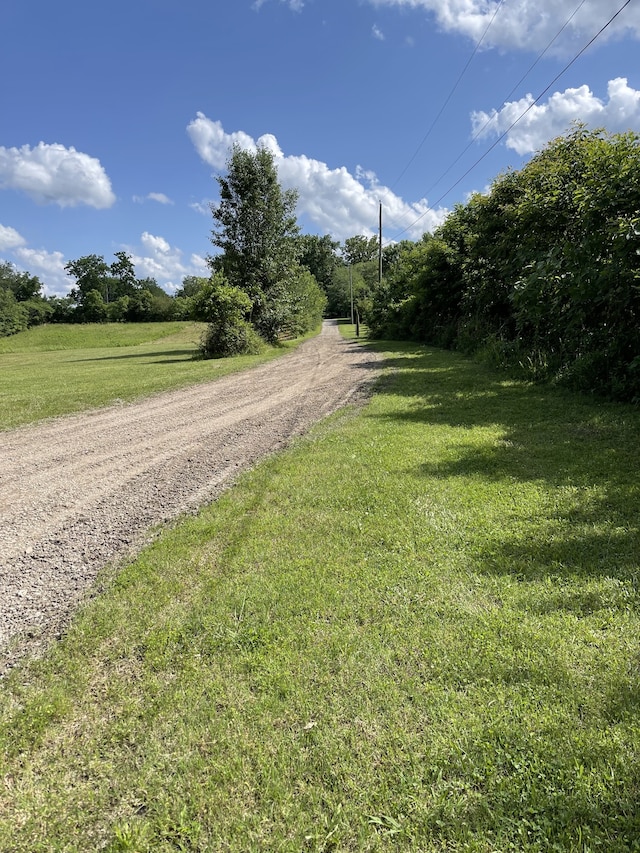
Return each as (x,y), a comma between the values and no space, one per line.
(523,24)
(158,259)
(161,198)
(9,238)
(53,174)
(212,143)
(377,33)
(336,201)
(545,121)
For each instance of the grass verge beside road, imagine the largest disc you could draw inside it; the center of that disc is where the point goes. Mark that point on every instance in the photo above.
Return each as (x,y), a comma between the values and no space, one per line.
(417,629)
(55,370)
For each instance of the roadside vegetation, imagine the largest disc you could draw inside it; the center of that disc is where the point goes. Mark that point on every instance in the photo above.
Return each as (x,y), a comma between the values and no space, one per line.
(418,628)
(539,276)
(58,369)
(436,650)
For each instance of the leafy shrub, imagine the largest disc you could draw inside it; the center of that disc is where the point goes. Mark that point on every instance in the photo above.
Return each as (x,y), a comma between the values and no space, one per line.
(221,340)
(225,308)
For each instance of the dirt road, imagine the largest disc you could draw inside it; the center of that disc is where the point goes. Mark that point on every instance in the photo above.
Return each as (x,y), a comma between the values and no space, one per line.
(79,492)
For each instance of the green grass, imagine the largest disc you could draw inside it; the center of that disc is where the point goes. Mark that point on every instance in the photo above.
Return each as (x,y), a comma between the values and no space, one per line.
(417,630)
(54,370)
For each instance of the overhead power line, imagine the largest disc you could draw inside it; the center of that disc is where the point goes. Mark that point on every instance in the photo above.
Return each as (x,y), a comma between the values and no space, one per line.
(480,131)
(450,95)
(519,118)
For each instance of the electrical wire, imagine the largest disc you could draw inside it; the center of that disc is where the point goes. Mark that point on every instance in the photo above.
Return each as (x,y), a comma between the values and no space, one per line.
(520,117)
(450,95)
(481,130)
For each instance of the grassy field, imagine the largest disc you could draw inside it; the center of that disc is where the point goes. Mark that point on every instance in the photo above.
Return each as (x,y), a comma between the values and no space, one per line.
(416,630)
(54,370)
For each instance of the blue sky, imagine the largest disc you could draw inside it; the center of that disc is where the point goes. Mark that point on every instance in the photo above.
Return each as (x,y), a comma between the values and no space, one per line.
(115,117)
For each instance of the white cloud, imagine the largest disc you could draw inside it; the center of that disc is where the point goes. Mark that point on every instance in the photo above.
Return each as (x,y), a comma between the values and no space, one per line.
(524,24)
(377,33)
(546,121)
(9,238)
(53,174)
(158,259)
(212,143)
(161,198)
(202,207)
(336,201)
(295,5)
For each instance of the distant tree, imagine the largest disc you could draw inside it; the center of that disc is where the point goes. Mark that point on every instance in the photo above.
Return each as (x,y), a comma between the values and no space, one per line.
(118,311)
(124,296)
(319,256)
(23,285)
(123,277)
(162,306)
(191,284)
(94,308)
(91,272)
(186,304)
(21,301)
(13,314)
(358,249)
(306,302)
(255,226)
(62,309)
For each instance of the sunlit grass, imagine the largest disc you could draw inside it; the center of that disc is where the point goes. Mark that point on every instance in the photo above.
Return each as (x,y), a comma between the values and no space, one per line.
(416,630)
(54,370)
(71,336)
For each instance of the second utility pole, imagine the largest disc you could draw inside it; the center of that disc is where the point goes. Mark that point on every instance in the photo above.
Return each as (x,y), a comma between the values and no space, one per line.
(380,247)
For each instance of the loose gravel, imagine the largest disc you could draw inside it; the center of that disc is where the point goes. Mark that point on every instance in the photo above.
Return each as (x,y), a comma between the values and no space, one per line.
(81,492)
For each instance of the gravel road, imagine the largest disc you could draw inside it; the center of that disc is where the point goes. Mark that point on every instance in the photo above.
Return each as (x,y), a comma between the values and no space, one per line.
(79,492)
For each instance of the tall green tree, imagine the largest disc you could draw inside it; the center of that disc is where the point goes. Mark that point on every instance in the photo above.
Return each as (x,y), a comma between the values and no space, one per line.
(255,227)
(319,256)
(91,272)
(359,249)
(23,285)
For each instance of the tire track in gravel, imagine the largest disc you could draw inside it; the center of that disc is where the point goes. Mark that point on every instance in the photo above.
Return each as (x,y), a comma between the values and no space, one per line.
(81,491)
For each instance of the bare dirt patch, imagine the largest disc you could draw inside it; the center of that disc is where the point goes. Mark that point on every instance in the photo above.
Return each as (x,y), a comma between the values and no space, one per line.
(80,492)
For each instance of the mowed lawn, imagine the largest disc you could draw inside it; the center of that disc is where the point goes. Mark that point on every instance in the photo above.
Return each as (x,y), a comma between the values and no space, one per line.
(57,369)
(417,629)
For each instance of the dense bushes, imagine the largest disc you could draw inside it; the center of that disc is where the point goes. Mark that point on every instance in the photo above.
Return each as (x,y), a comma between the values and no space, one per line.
(225,307)
(227,310)
(542,273)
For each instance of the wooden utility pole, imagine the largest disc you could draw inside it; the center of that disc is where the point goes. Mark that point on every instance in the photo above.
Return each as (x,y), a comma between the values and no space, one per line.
(351,290)
(380,247)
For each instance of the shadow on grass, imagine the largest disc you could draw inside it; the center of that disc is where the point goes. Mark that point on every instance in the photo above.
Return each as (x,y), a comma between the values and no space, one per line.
(172,355)
(584,452)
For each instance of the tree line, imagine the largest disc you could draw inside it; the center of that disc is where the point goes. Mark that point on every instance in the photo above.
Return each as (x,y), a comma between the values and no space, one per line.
(540,274)
(102,293)
(267,281)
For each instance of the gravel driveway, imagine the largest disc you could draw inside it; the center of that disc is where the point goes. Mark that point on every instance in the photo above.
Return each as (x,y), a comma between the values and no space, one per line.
(81,491)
